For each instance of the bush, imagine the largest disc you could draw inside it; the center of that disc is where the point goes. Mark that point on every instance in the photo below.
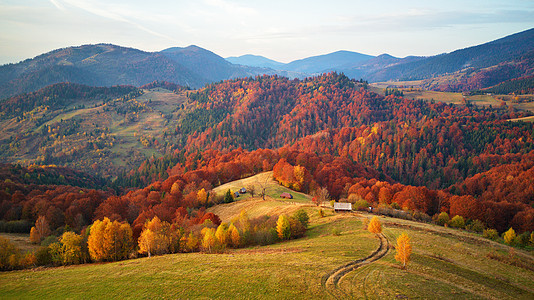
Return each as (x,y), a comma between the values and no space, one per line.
(360,204)
(421,216)
(457,222)
(265,236)
(522,239)
(302,217)
(336,232)
(43,256)
(442,219)
(321,213)
(49,240)
(297,229)
(9,255)
(394,213)
(491,234)
(475,226)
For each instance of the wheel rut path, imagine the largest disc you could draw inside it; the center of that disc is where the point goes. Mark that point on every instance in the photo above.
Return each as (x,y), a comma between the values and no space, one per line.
(330,281)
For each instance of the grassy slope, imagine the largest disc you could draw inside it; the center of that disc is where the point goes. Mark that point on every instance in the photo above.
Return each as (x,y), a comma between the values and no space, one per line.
(445,263)
(272,189)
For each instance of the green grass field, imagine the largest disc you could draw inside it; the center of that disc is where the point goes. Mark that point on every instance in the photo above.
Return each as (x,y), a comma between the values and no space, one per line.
(446,263)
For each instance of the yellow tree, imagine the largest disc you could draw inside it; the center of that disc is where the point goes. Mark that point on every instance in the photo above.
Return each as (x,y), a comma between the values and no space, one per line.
(234,235)
(202,197)
(509,236)
(222,234)
(404,249)
(72,248)
(97,244)
(120,235)
(109,240)
(155,238)
(34,236)
(374,225)
(283,227)
(191,242)
(209,239)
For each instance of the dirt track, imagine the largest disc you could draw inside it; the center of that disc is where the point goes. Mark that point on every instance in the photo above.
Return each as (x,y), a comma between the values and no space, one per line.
(330,281)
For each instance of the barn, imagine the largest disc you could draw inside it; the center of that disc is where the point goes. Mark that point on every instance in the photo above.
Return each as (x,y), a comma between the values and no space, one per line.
(286,196)
(342,207)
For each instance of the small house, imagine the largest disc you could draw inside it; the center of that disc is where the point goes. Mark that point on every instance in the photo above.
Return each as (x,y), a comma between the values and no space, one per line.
(286,196)
(243,191)
(236,194)
(342,207)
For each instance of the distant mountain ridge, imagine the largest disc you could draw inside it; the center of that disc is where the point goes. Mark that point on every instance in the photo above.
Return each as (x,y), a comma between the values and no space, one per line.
(108,65)
(510,57)
(255,61)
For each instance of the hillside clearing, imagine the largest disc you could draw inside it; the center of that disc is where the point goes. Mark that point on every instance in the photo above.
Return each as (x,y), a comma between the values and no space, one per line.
(445,263)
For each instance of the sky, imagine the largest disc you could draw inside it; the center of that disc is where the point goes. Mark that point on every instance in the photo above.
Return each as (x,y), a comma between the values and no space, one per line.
(283,30)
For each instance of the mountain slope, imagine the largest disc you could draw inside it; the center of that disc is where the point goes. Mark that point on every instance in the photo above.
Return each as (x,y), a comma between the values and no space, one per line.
(209,65)
(108,65)
(96,65)
(255,61)
(486,55)
(324,63)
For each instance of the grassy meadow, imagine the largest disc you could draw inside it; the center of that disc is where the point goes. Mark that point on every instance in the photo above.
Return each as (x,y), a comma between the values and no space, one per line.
(445,263)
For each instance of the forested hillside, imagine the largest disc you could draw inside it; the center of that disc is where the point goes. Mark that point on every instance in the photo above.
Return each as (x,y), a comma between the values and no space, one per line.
(327,131)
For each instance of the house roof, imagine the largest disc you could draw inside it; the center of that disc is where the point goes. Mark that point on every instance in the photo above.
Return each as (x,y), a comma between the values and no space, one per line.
(342,206)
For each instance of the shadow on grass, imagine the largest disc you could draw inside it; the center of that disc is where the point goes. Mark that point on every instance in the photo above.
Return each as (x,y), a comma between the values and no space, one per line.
(490,282)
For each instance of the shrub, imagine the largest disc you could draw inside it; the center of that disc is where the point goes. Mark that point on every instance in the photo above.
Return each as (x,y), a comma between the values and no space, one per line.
(321,213)
(43,256)
(475,226)
(49,240)
(296,228)
(522,239)
(457,222)
(302,217)
(360,204)
(442,219)
(421,216)
(336,232)
(265,236)
(491,234)
(8,254)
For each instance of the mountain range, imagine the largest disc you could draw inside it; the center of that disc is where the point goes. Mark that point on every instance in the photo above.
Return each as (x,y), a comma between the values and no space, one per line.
(107,65)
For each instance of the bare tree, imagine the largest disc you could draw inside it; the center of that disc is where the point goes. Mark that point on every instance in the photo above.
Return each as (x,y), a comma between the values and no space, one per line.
(262,186)
(251,189)
(320,196)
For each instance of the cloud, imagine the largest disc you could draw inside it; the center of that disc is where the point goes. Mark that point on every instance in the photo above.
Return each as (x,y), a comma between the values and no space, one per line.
(231,8)
(58,5)
(114,13)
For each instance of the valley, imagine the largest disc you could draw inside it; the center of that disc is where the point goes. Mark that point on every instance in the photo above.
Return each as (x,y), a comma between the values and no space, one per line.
(181,174)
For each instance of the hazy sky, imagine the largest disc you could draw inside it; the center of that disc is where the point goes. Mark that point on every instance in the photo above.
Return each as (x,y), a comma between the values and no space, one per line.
(283,30)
